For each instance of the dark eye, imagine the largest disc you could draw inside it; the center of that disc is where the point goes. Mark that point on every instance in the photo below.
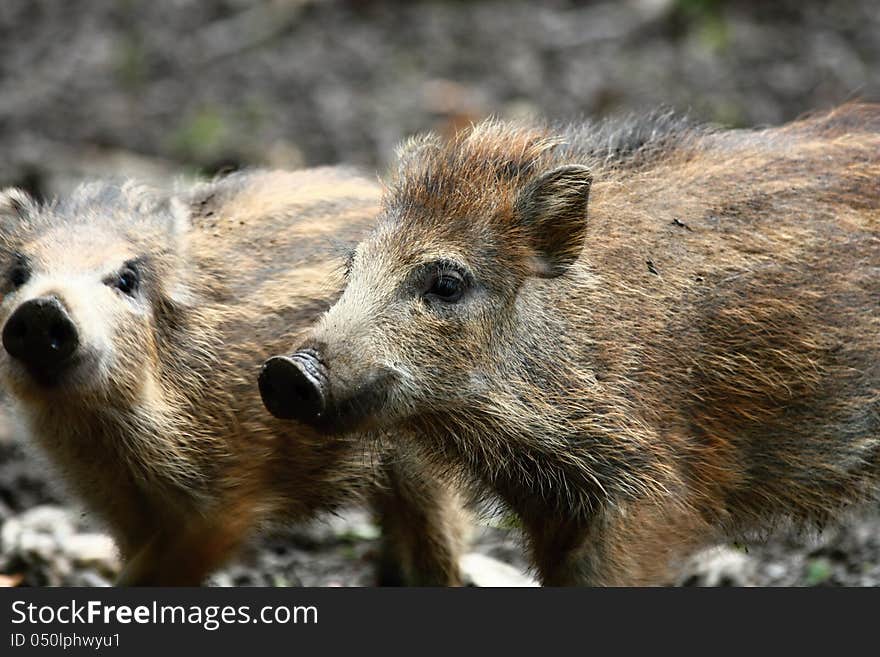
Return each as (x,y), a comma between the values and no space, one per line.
(127,281)
(447,286)
(19,275)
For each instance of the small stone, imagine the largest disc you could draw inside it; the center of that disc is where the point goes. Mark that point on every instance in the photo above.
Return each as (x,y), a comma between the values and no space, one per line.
(775,570)
(9,535)
(720,566)
(483,571)
(90,578)
(93,551)
(40,546)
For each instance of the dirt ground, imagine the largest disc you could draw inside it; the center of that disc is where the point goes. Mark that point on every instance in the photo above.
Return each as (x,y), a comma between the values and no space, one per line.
(192,87)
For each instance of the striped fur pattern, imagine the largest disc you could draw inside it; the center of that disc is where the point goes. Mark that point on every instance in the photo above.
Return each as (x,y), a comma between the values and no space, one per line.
(669,334)
(160,430)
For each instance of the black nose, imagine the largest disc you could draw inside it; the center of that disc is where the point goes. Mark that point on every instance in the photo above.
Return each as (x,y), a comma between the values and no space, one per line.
(295,387)
(41,335)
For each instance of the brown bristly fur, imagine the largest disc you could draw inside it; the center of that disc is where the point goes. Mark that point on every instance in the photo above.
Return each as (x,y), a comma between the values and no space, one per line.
(692,355)
(164,438)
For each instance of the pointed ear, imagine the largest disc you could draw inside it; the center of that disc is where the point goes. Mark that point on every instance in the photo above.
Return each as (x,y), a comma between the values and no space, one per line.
(177,289)
(15,202)
(552,210)
(15,206)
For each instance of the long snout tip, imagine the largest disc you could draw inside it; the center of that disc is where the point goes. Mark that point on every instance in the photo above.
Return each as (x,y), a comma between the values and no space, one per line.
(290,391)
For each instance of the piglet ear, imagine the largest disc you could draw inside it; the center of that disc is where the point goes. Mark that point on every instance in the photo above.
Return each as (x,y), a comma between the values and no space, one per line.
(15,203)
(15,207)
(552,211)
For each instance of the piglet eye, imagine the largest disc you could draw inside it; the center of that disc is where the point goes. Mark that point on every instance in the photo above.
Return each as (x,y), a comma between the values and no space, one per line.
(19,275)
(447,286)
(127,281)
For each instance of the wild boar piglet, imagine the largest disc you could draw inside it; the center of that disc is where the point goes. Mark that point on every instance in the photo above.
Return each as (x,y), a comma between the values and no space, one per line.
(133,323)
(644,336)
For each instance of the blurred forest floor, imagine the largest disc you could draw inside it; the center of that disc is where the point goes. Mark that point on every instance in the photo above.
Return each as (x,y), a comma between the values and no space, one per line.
(201,85)
(192,87)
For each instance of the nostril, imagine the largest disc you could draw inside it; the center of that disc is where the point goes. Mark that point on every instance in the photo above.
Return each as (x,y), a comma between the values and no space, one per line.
(15,335)
(294,387)
(16,328)
(61,335)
